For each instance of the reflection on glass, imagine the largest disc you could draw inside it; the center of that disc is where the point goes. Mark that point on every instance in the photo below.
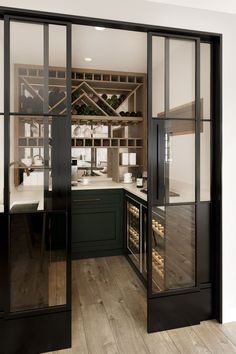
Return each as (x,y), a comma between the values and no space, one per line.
(26,66)
(133,232)
(1,164)
(179,161)
(205,80)
(35,144)
(38,260)
(27,162)
(1,66)
(158,76)
(57,69)
(181,79)
(205,161)
(173,247)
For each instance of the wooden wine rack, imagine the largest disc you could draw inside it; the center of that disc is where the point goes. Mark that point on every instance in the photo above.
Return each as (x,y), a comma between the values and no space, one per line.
(158,228)
(134,211)
(134,237)
(94,90)
(114,143)
(158,262)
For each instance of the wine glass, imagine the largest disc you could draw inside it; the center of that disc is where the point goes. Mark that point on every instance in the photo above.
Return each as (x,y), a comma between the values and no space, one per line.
(77,131)
(34,129)
(87,131)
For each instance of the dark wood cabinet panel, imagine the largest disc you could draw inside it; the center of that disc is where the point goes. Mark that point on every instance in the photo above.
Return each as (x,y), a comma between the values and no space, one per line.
(179,310)
(97,223)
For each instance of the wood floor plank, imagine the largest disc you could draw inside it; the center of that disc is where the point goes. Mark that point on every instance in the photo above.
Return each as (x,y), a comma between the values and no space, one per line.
(214,339)
(132,289)
(187,341)
(109,316)
(121,321)
(99,336)
(78,332)
(134,295)
(229,330)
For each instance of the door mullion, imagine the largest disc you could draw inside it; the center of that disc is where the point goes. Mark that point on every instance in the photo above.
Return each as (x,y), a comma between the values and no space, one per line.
(197,156)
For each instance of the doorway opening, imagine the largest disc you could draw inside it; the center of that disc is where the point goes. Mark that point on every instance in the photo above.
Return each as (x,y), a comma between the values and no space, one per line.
(110,139)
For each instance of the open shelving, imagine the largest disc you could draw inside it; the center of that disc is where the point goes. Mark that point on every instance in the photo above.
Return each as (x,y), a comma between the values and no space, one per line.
(99,97)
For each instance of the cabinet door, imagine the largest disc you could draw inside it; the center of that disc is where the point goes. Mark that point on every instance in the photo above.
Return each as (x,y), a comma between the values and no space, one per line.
(97,231)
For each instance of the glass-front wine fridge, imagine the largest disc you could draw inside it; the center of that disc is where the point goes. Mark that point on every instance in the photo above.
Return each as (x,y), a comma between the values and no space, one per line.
(136,234)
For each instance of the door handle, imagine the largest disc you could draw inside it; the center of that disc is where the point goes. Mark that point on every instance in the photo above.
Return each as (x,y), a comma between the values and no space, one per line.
(86,200)
(157,155)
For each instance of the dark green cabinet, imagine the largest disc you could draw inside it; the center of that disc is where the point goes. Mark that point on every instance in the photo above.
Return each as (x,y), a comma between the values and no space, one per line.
(97,223)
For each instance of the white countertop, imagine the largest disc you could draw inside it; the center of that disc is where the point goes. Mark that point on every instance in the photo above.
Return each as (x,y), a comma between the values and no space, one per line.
(109,184)
(32,194)
(27,194)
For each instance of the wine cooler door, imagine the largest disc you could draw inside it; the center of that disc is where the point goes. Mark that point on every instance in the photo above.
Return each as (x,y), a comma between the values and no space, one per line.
(176,296)
(134,232)
(38,120)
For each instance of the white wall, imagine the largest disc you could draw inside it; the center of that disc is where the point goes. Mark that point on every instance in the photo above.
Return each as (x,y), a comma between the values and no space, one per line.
(165,15)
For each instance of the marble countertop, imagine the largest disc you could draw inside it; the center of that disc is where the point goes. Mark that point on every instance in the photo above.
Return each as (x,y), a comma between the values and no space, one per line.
(27,194)
(109,184)
(33,194)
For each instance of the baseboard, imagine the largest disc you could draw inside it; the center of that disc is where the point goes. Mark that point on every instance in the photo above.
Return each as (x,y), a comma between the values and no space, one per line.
(96,254)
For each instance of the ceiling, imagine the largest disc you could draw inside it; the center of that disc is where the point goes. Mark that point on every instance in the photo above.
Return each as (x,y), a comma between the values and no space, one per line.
(110,49)
(228,6)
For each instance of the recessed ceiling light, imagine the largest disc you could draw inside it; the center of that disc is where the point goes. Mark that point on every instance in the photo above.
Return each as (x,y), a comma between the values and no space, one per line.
(100,28)
(87,59)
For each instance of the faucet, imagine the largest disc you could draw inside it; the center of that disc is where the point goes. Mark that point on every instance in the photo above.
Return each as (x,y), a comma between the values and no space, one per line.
(40,157)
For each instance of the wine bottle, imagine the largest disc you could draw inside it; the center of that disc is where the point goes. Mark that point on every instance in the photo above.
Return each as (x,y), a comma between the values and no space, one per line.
(139,180)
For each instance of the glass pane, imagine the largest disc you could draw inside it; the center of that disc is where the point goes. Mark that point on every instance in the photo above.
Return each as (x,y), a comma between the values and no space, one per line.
(1,67)
(173,247)
(2,164)
(36,151)
(35,144)
(205,80)
(36,89)
(27,164)
(57,69)
(158,76)
(133,232)
(181,79)
(179,161)
(205,161)
(38,260)
(26,67)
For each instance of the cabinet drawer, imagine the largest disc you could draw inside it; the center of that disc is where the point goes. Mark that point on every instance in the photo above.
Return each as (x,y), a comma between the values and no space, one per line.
(82,199)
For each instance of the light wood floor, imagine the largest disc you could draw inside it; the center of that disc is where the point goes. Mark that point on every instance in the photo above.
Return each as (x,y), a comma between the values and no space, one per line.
(109,316)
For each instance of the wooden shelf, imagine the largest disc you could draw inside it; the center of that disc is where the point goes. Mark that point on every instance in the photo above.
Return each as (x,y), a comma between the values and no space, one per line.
(106,119)
(36,71)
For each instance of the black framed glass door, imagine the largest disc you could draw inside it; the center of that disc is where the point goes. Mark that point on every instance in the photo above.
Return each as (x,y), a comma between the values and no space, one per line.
(37,180)
(180,178)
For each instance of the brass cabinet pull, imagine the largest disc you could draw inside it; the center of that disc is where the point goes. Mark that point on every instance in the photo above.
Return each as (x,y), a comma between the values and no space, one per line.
(86,200)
